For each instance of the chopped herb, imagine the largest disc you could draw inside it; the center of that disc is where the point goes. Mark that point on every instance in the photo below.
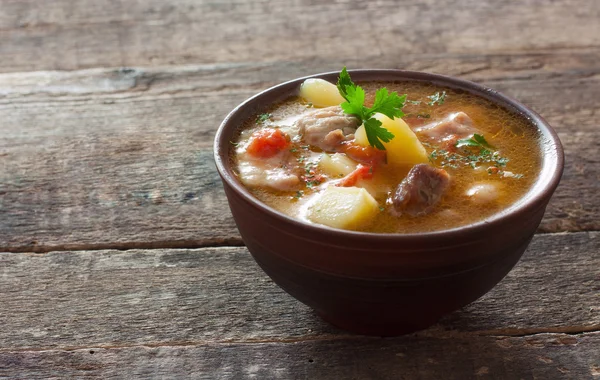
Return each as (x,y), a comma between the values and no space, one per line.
(472,159)
(301,159)
(500,161)
(299,194)
(309,168)
(263,117)
(381,208)
(389,104)
(309,105)
(415,102)
(293,150)
(419,115)
(438,98)
(313,181)
(477,141)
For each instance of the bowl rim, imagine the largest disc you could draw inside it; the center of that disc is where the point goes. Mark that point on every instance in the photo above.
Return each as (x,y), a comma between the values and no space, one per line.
(537,196)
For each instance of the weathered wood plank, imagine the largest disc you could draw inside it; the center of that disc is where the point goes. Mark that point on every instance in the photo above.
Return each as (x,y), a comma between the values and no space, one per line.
(544,356)
(121,158)
(70,300)
(69,35)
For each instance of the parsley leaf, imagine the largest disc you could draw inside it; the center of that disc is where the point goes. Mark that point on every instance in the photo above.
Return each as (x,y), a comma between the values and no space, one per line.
(344,81)
(386,103)
(376,132)
(354,103)
(438,98)
(263,117)
(477,140)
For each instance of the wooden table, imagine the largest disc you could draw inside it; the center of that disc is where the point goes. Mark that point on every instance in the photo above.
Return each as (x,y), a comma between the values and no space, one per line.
(120,257)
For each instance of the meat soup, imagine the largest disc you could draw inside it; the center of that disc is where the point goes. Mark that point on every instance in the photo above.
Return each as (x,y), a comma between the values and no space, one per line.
(454,158)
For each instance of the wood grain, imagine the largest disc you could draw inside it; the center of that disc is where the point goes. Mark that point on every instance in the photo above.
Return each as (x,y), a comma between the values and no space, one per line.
(108,109)
(70,300)
(121,158)
(543,356)
(212,314)
(69,35)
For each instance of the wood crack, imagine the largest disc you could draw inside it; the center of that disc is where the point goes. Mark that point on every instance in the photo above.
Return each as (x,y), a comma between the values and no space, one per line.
(124,246)
(307,339)
(35,247)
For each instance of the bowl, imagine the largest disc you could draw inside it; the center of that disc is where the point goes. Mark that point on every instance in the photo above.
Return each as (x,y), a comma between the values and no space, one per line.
(386,284)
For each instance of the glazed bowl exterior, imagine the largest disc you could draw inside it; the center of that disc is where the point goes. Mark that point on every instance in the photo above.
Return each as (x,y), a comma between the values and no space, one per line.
(386,284)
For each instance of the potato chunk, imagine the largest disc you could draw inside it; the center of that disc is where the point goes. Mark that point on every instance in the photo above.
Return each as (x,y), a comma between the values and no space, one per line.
(360,136)
(343,207)
(336,165)
(320,93)
(404,149)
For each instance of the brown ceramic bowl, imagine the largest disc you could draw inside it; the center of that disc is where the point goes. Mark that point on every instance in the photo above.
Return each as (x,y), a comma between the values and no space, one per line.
(386,284)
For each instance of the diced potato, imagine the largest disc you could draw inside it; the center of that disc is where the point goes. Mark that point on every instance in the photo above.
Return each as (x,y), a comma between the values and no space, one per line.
(404,149)
(321,93)
(343,207)
(336,165)
(360,136)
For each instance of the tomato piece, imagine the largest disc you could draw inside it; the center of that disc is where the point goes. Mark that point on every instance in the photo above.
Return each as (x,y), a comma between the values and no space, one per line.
(267,142)
(364,154)
(361,172)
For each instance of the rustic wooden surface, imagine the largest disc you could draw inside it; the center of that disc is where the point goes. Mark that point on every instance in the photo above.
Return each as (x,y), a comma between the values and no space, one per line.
(120,255)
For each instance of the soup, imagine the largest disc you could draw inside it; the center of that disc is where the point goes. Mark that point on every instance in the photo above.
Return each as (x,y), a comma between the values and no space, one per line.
(454,158)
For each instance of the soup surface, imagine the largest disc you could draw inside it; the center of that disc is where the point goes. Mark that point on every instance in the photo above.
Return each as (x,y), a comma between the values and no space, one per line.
(470,159)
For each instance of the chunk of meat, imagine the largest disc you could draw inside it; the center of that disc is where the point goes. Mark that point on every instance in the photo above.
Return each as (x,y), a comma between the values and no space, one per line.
(445,132)
(420,191)
(266,161)
(258,173)
(282,180)
(327,128)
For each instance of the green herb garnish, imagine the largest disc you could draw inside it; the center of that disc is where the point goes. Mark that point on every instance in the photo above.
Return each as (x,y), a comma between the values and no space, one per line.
(475,152)
(438,98)
(389,104)
(263,117)
(476,141)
